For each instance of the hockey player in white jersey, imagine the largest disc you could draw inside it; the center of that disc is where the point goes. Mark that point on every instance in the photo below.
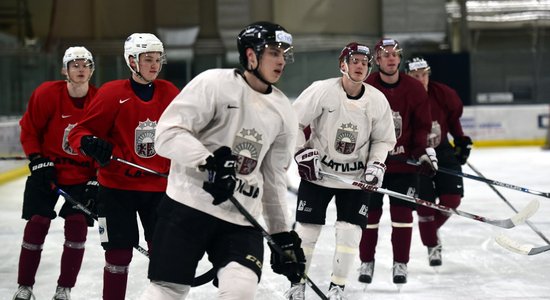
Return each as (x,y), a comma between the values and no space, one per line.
(348,132)
(229,133)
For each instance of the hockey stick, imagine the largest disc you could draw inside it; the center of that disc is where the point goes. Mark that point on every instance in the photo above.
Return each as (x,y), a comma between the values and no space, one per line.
(538,232)
(88,212)
(202,279)
(483,179)
(519,248)
(273,244)
(13,158)
(519,218)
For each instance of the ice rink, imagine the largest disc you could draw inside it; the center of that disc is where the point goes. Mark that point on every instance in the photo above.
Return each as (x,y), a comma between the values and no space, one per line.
(474,266)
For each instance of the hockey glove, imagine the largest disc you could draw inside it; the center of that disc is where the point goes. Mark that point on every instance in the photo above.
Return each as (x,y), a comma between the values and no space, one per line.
(221,174)
(428,163)
(88,197)
(43,174)
(309,163)
(374,173)
(292,262)
(463,145)
(97,148)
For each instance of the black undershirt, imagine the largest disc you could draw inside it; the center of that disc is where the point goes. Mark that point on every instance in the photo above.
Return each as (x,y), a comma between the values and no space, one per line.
(143,91)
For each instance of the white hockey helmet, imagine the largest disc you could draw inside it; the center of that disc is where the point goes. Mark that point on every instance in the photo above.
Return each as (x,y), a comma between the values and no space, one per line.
(138,43)
(78,52)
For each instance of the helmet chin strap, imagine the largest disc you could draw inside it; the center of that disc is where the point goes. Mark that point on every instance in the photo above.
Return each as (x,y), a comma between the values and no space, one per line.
(258,75)
(346,73)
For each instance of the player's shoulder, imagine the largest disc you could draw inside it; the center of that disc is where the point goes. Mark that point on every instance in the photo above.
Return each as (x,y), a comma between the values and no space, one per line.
(50,86)
(115,84)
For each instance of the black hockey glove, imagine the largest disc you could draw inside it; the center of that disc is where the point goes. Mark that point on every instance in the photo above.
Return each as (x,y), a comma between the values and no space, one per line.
(43,174)
(221,174)
(463,145)
(88,197)
(97,148)
(292,262)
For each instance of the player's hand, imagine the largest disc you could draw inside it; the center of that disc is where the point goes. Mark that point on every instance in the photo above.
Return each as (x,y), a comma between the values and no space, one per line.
(88,198)
(463,145)
(309,163)
(374,173)
(43,174)
(292,262)
(221,174)
(428,163)
(97,148)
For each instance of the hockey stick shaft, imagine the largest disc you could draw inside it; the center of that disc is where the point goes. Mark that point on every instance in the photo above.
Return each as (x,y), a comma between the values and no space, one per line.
(533,227)
(486,180)
(139,167)
(519,218)
(85,210)
(273,244)
(13,158)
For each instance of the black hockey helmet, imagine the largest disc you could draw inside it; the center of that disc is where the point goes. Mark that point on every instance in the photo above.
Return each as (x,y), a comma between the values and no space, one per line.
(260,34)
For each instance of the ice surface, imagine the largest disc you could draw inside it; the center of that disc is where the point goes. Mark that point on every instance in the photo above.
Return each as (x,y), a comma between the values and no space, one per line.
(474,266)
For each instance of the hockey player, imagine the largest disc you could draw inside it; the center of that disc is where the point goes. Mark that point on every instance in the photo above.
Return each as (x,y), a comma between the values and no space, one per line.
(446,109)
(350,131)
(53,110)
(229,133)
(411,116)
(122,122)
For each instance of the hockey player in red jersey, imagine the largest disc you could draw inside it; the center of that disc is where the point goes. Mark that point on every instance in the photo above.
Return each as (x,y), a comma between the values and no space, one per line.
(53,110)
(122,122)
(446,109)
(411,116)
(229,133)
(351,133)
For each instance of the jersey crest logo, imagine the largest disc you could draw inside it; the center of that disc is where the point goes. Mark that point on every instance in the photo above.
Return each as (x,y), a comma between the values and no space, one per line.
(65,141)
(434,137)
(144,141)
(346,138)
(398,123)
(247,146)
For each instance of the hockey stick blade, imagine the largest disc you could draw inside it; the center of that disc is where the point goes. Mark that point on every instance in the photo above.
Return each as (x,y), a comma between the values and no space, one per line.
(528,211)
(515,246)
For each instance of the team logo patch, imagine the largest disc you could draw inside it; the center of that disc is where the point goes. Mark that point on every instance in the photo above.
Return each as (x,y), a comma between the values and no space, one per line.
(65,141)
(247,146)
(346,138)
(398,123)
(144,142)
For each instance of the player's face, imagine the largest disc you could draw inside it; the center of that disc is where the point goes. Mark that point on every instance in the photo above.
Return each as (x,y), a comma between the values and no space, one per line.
(421,75)
(388,60)
(79,71)
(272,63)
(358,65)
(149,65)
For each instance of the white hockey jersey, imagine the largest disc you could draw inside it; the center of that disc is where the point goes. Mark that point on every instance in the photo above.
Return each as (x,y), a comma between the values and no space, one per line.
(349,133)
(218,108)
